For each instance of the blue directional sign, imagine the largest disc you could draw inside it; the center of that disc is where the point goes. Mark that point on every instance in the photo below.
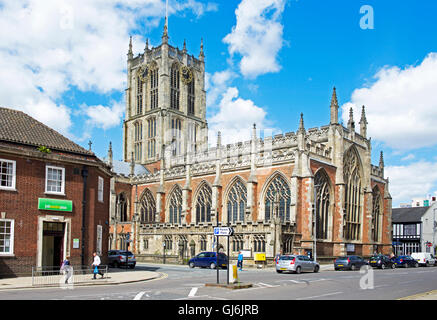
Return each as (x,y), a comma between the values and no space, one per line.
(223,231)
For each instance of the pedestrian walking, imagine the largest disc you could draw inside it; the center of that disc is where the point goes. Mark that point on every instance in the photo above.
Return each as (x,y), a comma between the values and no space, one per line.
(66,269)
(96,264)
(240,260)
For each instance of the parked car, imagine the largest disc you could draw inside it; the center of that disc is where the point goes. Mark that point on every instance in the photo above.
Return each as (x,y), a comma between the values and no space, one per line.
(349,263)
(405,261)
(208,259)
(296,264)
(424,258)
(117,258)
(382,262)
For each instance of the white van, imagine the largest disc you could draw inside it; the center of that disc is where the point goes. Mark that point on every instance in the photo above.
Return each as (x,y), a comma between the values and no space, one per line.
(424,258)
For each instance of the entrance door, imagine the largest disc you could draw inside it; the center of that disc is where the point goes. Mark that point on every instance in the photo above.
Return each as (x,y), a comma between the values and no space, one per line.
(53,245)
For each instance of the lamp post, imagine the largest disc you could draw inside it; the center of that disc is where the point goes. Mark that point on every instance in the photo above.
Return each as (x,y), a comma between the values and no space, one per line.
(163,245)
(315,222)
(434,232)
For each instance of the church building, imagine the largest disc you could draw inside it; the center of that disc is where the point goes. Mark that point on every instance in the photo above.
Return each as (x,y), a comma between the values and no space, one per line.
(310,191)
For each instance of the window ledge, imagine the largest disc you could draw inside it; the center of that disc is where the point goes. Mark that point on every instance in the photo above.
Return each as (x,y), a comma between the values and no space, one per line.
(7,255)
(55,194)
(8,189)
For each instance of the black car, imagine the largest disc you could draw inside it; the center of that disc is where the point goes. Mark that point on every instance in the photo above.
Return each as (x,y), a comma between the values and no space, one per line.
(405,261)
(382,262)
(349,263)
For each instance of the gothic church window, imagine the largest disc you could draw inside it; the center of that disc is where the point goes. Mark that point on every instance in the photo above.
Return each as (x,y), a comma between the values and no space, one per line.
(190,97)
(203,204)
(174,87)
(176,129)
(352,179)
(121,214)
(151,143)
(175,206)
(139,96)
(323,196)
(147,207)
(376,214)
(138,136)
(277,200)
(236,204)
(153,88)
(259,243)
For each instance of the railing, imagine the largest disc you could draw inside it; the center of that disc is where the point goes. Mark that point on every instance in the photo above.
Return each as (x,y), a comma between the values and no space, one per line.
(53,276)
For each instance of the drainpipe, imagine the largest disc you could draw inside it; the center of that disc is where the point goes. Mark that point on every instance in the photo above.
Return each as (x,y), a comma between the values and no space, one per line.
(84,176)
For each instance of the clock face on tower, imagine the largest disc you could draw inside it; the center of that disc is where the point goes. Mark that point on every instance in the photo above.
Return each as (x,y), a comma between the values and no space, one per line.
(187,74)
(142,73)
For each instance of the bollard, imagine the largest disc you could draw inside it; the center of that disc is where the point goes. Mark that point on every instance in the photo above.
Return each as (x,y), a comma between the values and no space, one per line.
(233,276)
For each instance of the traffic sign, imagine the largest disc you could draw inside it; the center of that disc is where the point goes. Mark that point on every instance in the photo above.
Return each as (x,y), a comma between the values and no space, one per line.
(223,231)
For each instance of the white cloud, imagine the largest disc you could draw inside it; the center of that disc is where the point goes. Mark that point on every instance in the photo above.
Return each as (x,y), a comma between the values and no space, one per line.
(104,117)
(216,84)
(257,36)
(48,47)
(409,156)
(401,105)
(412,181)
(235,119)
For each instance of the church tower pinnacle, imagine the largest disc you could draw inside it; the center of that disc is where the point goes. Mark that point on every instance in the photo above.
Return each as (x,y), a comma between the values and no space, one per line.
(334,107)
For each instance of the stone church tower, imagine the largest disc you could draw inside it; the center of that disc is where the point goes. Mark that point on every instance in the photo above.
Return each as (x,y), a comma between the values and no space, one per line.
(165,103)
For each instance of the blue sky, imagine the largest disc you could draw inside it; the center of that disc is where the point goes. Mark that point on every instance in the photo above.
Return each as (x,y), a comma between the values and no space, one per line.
(266,61)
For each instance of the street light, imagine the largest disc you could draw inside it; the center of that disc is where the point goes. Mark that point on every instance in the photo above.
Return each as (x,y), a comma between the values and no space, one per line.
(164,250)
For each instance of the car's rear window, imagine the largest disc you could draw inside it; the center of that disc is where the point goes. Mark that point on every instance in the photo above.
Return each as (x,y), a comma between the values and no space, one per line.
(123,253)
(342,258)
(286,258)
(375,258)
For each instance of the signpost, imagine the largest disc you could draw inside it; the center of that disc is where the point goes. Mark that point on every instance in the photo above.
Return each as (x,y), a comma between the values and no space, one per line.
(223,232)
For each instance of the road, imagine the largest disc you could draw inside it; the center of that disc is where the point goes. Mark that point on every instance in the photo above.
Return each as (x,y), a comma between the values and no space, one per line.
(183,283)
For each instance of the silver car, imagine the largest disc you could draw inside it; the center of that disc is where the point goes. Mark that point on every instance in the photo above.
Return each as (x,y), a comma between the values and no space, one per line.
(296,264)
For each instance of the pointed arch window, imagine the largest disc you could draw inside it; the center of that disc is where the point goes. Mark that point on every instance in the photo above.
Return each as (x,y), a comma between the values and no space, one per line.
(121,207)
(175,206)
(203,204)
(376,214)
(176,129)
(353,196)
(174,87)
(277,200)
(190,97)
(139,96)
(138,145)
(323,196)
(237,200)
(147,207)
(151,142)
(153,88)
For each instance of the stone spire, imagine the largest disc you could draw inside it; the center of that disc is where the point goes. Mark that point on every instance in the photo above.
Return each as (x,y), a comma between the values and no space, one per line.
(334,107)
(130,54)
(146,48)
(381,160)
(185,47)
(301,125)
(201,54)
(110,154)
(165,32)
(351,122)
(363,123)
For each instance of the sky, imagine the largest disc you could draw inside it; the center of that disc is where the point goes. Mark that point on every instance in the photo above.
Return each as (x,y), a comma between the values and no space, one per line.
(64,63)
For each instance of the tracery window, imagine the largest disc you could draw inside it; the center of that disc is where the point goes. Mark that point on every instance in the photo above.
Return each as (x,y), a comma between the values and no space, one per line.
(352,179)
(323,195)
(277,200)
(376,214)
(151,142)
(138,136)
(236,204)
(203,243)
(203,204)
(176,129)
(259,243)
(139,96)
(174,87)
(190,97)
(237,242)
(121,202)
(147,207)
(153,88)
(175,206)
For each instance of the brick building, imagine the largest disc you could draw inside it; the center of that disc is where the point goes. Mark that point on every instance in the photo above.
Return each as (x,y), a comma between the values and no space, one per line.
(266,189)
(54,197)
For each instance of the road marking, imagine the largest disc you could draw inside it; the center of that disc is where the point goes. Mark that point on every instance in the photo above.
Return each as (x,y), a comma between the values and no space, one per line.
(267,285)
(193,292)
(139,295)
(322,295)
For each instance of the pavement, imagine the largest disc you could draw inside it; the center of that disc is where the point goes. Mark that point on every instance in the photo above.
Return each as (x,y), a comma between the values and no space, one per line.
(131,276)
(111,278)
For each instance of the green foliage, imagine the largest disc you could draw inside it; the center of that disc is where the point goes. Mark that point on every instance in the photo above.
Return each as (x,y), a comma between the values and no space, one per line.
(44,149)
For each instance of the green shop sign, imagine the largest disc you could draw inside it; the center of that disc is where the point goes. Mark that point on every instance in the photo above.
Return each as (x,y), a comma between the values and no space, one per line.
(55,205)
